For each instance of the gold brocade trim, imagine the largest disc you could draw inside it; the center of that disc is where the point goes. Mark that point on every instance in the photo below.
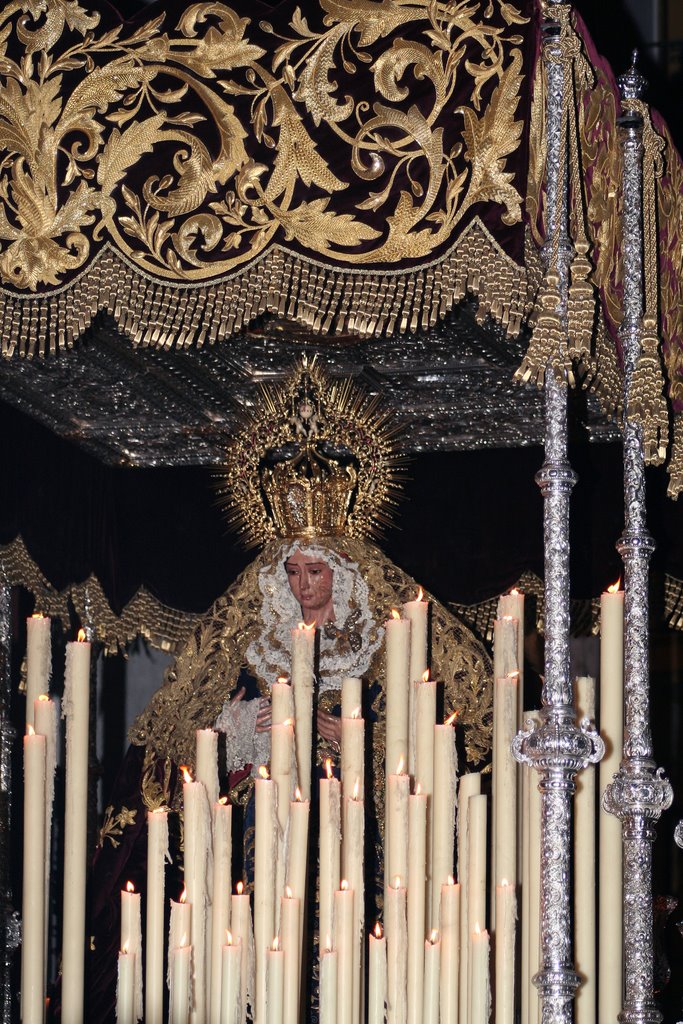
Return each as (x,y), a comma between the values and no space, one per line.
(155,783)
(163,627)
(114,824)
(326,299)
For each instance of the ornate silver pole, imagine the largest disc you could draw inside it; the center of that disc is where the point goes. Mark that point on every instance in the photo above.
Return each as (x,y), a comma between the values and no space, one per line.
(557,748)
(639,792)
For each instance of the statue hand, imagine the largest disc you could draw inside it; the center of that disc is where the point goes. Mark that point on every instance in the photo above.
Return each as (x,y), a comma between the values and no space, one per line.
(329,727)
(264,715)
(237,696)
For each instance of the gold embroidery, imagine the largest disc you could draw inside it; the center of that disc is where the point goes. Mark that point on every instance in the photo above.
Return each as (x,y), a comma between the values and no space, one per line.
(114,824)
(156,792)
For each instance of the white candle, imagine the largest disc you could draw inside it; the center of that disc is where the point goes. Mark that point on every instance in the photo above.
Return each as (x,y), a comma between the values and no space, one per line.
(242,932)
(131,941)
(328,987)
(505,793)
(197,834)
(126,988)
(76,710)
(432,961)
(450,952)
(157,854)
(511,605)
(351,697)
(397,691)
(275,959)
(207,762)
(33,892)
(45,718)
(377,979)
(416,613)
(425,720)
(264,884)
(353,754)
(303,651)
(180,925)
(470,785)
(38,662)
(397,952)
(476,866)
(220,899)
(231,973)
(505,663)
(610,883)
(584,868)
(443,811)
(343,943)
(330,849)
(282,745)
(534,888)
(417,872)
(180,964)
(353,834)
(506,913)
(297,856)
(282,702)
(291,945)
(480,993)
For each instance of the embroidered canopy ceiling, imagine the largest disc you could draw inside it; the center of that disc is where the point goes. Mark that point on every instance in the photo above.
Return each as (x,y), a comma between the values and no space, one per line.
(359,167)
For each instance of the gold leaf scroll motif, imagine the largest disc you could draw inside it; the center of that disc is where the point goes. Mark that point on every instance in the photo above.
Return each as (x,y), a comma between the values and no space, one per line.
(150,139)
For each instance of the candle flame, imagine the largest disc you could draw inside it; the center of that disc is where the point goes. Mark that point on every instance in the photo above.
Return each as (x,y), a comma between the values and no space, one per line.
(44,697)
(508,618)
(124,949)
(297,795)
(614,588)
(451,718)
(344,885)
(328,945)
(308,627)
(185,772)
(515,591)
(356,713)
(420,594)
(37,615)
(183,941)
(395,614)
(228,935)
(451,880)
(288,721)
(30,731)
(477,929)
(328,767)
(378,930)
(263,772)
(418,789)
(288,893)
(183,899)
(397,882)
(425,676)
(356,789)
(283,679)
(222,800)
(240,888)
(401,764)
(434,937)
(130,887)
(504,881)
(81,636)
(276,943)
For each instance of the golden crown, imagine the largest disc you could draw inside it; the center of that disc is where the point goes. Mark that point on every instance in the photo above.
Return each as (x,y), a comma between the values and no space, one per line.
(317,458)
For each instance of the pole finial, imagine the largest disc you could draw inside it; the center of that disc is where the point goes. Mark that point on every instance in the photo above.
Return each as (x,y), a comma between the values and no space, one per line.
(632,84)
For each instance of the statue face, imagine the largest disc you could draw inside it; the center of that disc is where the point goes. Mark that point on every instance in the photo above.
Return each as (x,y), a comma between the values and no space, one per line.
(310,580)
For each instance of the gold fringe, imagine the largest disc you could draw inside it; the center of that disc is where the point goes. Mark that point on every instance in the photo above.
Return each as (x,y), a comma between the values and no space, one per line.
(675,467)
(581,306)
(547,349)
(648,404)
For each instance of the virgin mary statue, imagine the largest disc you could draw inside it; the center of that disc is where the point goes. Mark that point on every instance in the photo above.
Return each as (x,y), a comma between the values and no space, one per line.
(311,477)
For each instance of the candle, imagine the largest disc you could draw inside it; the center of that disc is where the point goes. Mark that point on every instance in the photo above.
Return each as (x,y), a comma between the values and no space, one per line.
(470,785)
(425,720)
(131,941)
(45,718)
(377,980)
(432,961)
(180,961)
(330,848)
(505,792)
(397,952)
(220,901)
(450,952)
(157,854)
(303,651)
(511,606)
(276,983)
(180,925)
(505,663)
(480,996)
(197,834)
(343,943)
(533,887)
(584,867)
(264,883)
(291,946)
(476,866)
(397,690)
(38,662)
(417,859)
(297,861)
(506,913)
(33,891)
(240,924)
(76,710)
(397,820)
(328,987)
(126,988)
(610,883)
(353,754)
(353,834)
(207,762)
(231,973)
(282,702)
(282,742)
(351,697)
(416,613)
(443,811)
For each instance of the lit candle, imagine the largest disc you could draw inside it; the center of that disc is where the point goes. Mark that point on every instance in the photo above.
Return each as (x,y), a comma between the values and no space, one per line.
(264,883)
(417,859)
(157,854)
(303,651)
(282,702)
(179,959)
(397,952)
(450,952)
(432,960)
(131,941)
(343,943)
(330,848)
(443,810)
(126,988)
(397,690)
(282,744)
(207,762)
(416,613)
(476,867)
(297,858)
(33,892)
(220,901)
(276,983)
(76,710)
(241,928)
(45,718)
(505,793)
(231,973)
(291,945)
(610,884)
(425,720)
(197,835)
(353,834)
(353,754)
(38,662)
(470,785)
(351,697)
(328,986)
(397,820)
(511,606)
(506,913)
(377,976)
(480,998)
(584,867)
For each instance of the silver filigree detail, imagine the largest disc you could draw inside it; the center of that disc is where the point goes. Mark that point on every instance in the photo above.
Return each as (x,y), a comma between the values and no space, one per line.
(678,834)
(632,84)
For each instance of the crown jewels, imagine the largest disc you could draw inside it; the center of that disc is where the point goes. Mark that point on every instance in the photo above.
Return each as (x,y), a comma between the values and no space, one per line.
(317,458)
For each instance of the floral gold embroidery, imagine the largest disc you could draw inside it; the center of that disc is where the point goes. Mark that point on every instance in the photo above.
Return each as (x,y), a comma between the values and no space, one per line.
(114,824)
